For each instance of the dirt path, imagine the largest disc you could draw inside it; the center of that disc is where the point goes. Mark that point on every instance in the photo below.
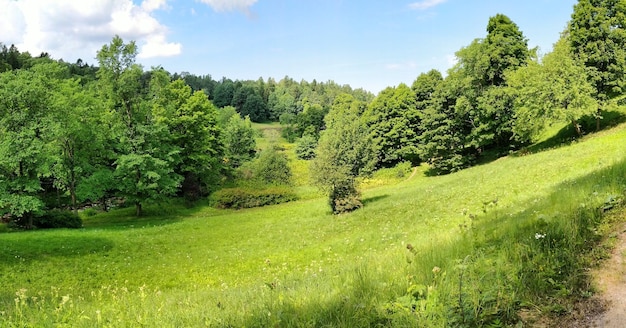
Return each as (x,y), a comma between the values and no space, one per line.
(607,309)
(611,282)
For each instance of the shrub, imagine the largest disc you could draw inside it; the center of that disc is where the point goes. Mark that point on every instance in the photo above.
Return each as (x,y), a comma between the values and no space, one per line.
(272,167)
(247,197)
(58,219)
(306,147)
(345,198)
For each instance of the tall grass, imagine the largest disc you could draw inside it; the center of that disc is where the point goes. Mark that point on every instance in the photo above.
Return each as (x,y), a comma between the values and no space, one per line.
(469,249)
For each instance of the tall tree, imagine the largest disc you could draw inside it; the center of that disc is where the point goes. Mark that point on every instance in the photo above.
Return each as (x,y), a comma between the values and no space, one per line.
(598,39)
(393,120)
(345,151)
(191,122)
(145,165)
(474,112)
(553,90)
(25,154)
(76,131)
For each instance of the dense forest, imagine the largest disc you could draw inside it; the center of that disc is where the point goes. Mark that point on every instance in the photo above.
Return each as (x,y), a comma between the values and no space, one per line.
(73,133)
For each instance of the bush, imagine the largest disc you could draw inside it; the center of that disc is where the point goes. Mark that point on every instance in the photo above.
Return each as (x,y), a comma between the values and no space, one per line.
(306,147)
(246,197)
(272,167)
(58,219)
(345,198)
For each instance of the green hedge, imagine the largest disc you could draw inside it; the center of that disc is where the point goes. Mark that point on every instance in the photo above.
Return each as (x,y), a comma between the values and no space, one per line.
(58,219)
(246,198)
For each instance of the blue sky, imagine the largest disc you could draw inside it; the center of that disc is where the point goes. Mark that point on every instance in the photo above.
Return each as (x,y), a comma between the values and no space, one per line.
(368,44)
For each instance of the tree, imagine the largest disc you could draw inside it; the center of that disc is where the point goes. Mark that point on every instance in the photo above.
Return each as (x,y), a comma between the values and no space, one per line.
(255,108)
(223,93)
(473,111)
(393,120)
(238,139)
(444,130)
(345,152)
(190,120)
(598,40)
(146,160)
(272,167)
(76,132)
(424,86)
(556,89)
(25,154)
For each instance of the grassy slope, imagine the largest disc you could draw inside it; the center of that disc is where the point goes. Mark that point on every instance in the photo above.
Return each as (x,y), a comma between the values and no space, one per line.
(292,263)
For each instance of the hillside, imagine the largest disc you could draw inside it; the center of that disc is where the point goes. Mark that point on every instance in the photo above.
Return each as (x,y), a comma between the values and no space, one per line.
(486,245)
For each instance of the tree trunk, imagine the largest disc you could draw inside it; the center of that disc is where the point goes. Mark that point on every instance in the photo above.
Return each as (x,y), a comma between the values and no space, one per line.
(598,118)
(138,208)
(579,132)
(73,191)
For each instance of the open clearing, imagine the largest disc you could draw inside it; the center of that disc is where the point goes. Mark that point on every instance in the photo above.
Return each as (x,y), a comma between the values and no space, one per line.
(295,263)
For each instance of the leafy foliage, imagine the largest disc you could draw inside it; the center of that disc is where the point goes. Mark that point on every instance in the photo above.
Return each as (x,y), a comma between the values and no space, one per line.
(239,198)
(393,120)
(305,148)
(345,151)
(272,167)
(551,91)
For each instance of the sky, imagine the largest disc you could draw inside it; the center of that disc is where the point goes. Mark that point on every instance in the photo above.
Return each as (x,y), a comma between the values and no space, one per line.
(364,43)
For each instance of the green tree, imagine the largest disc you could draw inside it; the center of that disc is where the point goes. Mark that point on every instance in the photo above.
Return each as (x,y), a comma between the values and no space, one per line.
(255,108)
(239,140)
(444,130)
(272,167)
(424,86)
(474,112)
(25,154)
(393,120)
(345,151)
(77,133)
(598,39)
(553,90)
(223,93)
(191,122)
(147,157)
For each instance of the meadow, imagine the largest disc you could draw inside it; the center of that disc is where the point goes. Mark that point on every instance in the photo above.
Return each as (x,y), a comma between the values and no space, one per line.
(492,245)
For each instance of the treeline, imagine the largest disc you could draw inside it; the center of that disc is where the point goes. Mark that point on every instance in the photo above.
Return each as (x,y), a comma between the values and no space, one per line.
(92,134)
(72,133)
(118,130)
(498,98)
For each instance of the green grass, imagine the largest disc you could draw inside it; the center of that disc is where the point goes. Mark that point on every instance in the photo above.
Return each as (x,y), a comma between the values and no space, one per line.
(473,260)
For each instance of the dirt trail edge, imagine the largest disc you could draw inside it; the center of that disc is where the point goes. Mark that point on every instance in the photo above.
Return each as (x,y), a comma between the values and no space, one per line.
(610,279)
(606,309)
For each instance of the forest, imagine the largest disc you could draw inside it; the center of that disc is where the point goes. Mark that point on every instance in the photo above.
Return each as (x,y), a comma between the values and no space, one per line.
(92,133)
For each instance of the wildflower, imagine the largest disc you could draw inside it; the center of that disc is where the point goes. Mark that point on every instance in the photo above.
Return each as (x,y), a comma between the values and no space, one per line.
(539,236)
(436,270)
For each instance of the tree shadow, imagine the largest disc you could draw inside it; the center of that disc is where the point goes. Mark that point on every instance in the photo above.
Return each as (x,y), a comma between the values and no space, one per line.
(37,245)
(153,215)
(373,199)
(523,232)
(568,134)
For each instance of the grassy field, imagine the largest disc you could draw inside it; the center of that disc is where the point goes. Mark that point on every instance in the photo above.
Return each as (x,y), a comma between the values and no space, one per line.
(479,247)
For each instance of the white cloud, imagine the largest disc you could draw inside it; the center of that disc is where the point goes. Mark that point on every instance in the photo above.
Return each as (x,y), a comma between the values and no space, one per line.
(426,4)
(72,29)
(157,47)
(152,5)
(229,5)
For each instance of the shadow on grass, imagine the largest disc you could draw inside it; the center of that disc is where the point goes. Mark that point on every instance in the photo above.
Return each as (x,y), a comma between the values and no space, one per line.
(373,199)
(508,249)
(39,245)
(568,134)
(153,215)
